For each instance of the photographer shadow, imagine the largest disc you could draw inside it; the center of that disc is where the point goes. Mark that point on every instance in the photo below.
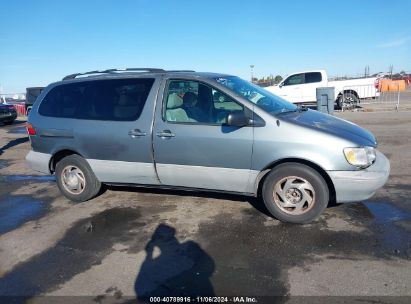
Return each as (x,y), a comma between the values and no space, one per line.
(172,268)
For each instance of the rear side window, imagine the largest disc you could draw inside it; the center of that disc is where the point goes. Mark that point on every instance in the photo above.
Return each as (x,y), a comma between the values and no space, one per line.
(313,77)
(114,99)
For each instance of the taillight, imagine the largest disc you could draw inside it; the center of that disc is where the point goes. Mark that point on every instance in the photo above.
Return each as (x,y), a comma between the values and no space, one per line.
(30,129)
(377,83)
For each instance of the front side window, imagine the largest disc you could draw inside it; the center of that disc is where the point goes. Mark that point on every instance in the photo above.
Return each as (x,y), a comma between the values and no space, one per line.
(294,80)
(257,95)
(195,102)
(114,99)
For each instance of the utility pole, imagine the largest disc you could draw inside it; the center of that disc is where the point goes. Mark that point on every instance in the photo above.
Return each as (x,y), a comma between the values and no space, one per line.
(252,72)
(391,68)
(366,71)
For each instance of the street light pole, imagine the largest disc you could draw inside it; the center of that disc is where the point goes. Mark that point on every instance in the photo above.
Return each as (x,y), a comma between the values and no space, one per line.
(252,72)
(2,99)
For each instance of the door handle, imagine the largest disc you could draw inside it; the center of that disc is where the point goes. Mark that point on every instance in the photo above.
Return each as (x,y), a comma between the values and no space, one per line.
(165,134)
(136,133)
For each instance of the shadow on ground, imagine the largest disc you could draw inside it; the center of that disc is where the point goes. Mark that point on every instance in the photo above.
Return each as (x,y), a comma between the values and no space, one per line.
(235,198)
(172,268)
(249,255)
(13,143)
(84,245)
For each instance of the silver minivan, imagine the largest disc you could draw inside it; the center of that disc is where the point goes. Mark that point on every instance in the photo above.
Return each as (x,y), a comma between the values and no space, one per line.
(205,131)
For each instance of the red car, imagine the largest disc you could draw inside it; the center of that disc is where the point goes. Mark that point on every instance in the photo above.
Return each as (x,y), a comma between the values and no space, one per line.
(406,77)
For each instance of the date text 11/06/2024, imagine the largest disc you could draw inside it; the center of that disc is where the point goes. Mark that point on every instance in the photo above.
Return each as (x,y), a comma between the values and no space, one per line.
(200,299)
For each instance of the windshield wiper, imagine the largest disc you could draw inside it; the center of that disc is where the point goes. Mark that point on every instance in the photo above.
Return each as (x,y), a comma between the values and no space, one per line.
(284,111)
(297,109)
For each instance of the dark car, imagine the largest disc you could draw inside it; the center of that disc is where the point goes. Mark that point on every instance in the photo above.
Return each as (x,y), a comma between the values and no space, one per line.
(8,114)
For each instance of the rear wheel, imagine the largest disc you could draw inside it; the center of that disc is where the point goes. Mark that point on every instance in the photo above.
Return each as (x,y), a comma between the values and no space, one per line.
(75,179)
(348,101)
(295,193)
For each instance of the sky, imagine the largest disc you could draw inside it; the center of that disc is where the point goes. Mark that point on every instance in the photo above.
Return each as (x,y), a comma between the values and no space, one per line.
(41,41)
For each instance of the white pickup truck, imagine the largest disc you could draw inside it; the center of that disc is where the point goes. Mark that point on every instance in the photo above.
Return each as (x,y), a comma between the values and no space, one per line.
(301,88)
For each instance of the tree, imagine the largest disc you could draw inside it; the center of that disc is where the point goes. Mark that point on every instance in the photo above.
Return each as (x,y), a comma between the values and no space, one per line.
(278,79)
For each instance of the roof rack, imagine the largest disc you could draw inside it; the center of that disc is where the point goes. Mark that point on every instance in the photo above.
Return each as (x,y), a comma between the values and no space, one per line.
(108,71)
(172,71)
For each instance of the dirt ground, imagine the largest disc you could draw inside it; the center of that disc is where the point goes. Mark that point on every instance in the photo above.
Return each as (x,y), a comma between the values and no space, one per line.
(131,241)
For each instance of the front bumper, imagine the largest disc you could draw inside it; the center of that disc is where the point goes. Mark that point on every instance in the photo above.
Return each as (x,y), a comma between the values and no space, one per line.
(8,116)
(354,186)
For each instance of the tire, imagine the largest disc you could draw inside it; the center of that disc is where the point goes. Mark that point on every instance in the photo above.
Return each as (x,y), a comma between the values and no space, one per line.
(75,179)
(348,101)
(10,122)
(307,194)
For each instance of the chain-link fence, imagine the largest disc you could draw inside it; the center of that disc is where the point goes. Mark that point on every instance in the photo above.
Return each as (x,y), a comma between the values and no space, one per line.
(383,92)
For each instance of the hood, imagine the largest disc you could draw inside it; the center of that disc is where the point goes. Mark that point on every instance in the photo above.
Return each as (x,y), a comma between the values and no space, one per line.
(331,125)
(6,106)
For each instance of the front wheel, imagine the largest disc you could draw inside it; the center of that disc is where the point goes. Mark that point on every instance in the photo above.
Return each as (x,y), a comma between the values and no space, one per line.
(75,179)
(295,193)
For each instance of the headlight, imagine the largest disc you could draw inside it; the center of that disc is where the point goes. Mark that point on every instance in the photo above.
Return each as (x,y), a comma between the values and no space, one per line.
(360,157)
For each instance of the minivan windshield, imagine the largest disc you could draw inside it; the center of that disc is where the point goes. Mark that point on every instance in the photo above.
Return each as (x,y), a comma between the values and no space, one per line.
(257,95)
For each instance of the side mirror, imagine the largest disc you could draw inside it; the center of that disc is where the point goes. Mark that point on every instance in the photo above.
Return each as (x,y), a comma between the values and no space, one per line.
(238,119)
(281,85)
